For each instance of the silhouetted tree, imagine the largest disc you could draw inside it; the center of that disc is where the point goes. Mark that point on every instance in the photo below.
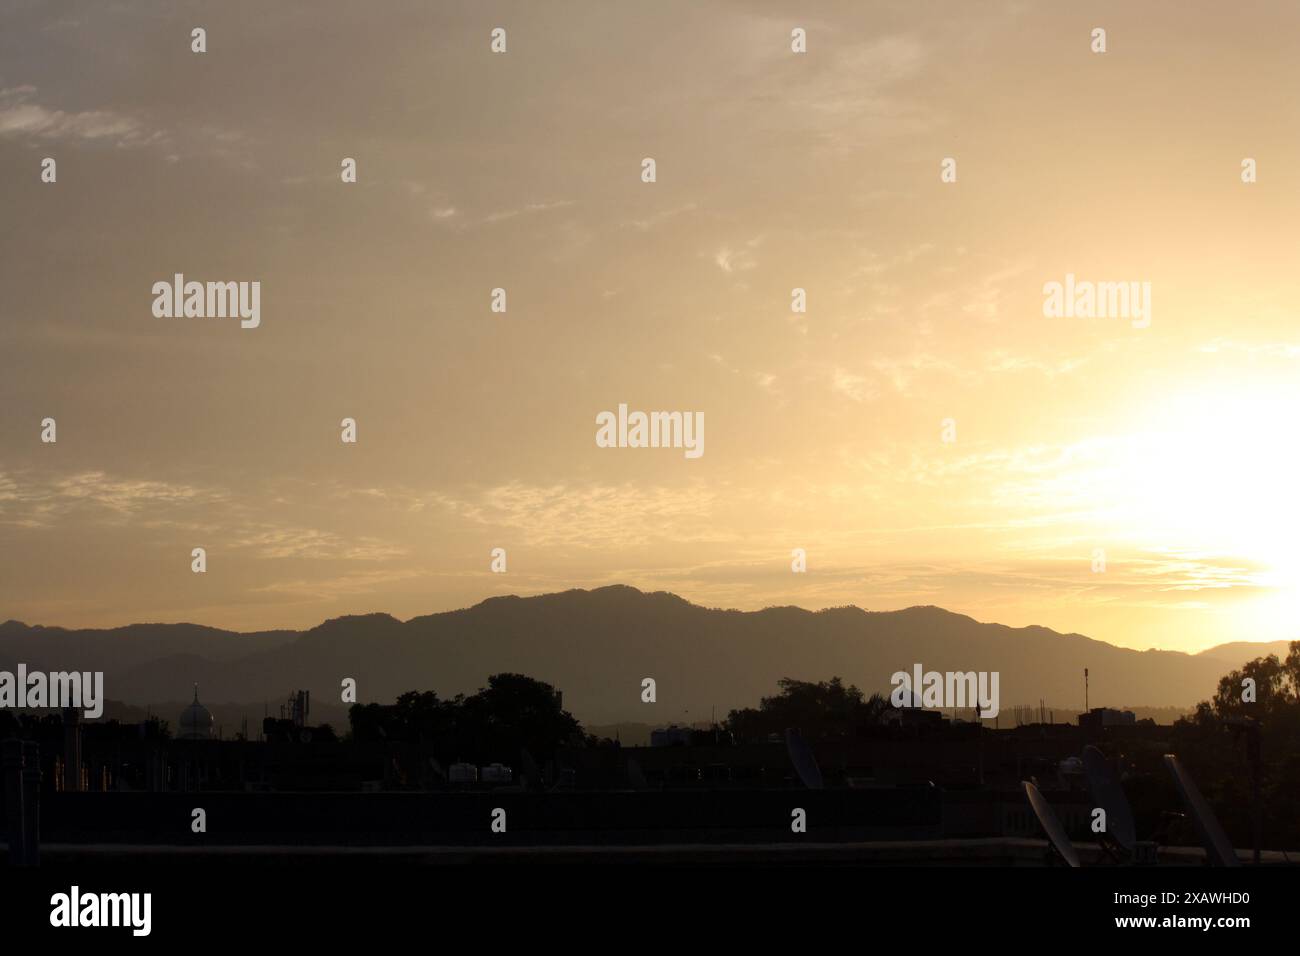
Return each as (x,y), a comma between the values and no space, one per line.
(515,712)
(1216,754)
(818,711)
(512,713)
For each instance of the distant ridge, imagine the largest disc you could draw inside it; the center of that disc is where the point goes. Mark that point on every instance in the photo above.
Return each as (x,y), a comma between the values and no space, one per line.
(1238,652)
(597,646)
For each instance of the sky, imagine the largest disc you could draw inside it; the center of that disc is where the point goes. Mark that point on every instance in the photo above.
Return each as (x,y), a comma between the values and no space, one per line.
(924,430)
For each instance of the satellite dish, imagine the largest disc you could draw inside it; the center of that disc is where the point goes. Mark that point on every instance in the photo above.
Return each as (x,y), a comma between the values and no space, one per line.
(1217,848)
(635,776)
(1109,795)
(1051,824)
(805,764)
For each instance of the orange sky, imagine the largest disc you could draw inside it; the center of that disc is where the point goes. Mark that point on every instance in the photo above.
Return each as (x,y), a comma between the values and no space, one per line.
(1169,446)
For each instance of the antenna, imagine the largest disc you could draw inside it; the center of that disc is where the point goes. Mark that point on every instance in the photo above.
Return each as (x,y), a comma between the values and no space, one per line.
(1051,825)
(1217,848)
(805,764)
(1109,795)
(1085,690)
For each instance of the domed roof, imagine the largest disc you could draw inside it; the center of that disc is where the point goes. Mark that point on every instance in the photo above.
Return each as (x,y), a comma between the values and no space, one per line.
(196,720)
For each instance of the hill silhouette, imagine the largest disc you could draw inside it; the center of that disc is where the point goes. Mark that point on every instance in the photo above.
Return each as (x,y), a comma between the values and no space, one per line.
(598,645)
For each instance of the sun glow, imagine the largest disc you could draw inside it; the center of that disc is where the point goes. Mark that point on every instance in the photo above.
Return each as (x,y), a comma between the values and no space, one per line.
(1215,475)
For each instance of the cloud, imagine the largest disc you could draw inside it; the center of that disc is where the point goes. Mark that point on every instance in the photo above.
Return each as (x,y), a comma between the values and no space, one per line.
(1286,350)
(21,117)
(645,225)
(30,505)
(1000,360)
(98,498)
(851,386)
(848,97)
(737,260)
(529,209)
(313,543)
(595,515)
(902,371)
(878,265)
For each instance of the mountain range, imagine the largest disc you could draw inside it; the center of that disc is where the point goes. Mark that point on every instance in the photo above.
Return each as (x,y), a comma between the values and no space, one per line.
(597,646)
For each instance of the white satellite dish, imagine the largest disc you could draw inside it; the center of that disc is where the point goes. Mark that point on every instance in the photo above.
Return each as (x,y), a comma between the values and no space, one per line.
(1217,847)
(805,764)
(1109,795)
(1051,824)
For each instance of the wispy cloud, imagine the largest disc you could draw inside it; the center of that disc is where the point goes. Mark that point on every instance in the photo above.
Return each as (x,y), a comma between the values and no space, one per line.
(314,543)
(35,504)
(737,259)
(22,117)
(1284,350)
(527,209)
(650,222)
(96,498)
(851,386)
(595,515)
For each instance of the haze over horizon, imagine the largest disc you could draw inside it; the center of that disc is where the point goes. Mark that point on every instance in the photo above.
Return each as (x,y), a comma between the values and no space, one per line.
(598,646)
(607,588)
(1168,447)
